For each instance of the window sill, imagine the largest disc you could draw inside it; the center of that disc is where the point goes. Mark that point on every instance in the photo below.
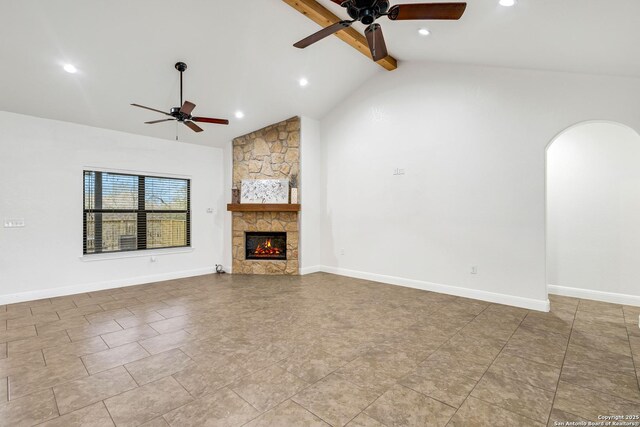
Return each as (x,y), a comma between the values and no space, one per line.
(134,254)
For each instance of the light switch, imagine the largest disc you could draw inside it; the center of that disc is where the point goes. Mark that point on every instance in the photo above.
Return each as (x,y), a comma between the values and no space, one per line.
(13,222)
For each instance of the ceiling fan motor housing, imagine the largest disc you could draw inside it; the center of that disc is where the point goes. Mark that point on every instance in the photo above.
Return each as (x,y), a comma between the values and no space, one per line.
(181,117)
(366,11)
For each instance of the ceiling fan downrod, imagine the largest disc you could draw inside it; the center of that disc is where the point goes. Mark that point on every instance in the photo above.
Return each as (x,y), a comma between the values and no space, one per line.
(182,67)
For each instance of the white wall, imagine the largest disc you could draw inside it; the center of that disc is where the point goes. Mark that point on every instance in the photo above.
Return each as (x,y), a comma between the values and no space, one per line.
(312,194)
(41,164)
(472,142)
(593,212)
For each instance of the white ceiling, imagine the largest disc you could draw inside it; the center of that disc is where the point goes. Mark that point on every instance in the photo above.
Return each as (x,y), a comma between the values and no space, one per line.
(240,56)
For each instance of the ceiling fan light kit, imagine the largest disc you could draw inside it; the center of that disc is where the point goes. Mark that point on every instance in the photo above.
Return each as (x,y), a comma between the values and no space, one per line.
(368,11)
(183,114)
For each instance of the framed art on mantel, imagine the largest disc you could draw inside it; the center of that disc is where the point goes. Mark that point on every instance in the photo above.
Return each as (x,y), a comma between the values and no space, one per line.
(265,191)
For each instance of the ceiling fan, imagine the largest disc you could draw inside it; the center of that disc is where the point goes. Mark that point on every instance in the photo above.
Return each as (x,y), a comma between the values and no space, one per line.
(183,114)
(367,11)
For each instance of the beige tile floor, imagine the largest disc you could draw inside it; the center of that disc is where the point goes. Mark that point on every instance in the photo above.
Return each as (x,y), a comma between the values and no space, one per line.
(313,350)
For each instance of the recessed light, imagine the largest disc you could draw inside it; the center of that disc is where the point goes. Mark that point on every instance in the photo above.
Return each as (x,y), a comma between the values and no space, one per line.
(507,3)
(424,32)
(70,68)
(303,82)
(239,114)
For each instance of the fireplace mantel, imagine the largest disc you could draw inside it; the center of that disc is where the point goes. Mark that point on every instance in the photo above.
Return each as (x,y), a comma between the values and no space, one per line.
(263,207)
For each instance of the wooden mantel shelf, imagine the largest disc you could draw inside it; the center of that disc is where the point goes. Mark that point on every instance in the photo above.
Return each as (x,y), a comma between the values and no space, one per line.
(263,207)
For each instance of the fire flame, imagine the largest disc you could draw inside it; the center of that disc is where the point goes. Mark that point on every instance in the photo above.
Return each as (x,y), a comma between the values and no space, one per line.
(266,249)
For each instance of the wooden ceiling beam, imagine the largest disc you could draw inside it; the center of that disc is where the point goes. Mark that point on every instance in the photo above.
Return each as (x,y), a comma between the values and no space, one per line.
(324,17)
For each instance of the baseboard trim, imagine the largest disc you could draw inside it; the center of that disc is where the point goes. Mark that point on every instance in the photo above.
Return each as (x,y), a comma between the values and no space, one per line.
(528,303)
(309,270)
(99,286)
(594,295)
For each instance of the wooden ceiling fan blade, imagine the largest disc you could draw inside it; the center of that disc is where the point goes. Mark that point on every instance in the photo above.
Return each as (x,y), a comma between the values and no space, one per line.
(194,127)
(187,107)
(401,12)
(159,121)
(325,32)
(152,109)
(375,38)
(210,120)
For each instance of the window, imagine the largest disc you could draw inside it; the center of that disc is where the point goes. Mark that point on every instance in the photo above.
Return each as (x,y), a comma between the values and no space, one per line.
(134,212)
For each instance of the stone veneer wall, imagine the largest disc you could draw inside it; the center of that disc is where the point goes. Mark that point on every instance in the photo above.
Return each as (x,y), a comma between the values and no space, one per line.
(265,221)
(269,153)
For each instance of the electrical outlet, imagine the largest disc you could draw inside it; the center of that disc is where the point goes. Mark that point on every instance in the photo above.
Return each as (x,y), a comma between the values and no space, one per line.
(342,251)
(474,269)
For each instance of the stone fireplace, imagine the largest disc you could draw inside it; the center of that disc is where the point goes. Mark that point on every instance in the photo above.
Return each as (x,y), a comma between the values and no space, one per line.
(269,153)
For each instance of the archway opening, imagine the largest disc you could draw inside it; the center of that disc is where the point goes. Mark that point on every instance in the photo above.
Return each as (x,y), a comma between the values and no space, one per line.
(593,213)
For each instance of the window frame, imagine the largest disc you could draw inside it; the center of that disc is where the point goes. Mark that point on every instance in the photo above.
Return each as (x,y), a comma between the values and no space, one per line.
(141,212)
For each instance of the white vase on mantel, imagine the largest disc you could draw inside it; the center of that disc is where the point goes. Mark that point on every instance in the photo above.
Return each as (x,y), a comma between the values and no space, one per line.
(294,196)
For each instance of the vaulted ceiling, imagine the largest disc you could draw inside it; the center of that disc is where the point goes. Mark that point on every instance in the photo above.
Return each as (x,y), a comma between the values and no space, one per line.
(240,56)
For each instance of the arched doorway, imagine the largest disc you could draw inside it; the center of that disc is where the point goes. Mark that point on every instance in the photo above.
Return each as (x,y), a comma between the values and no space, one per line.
(593,212)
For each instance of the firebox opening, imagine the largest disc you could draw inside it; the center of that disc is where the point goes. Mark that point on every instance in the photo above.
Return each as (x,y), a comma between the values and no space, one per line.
(266,245)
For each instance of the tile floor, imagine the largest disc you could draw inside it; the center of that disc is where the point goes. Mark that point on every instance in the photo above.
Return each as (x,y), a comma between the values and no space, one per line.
(313,350)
